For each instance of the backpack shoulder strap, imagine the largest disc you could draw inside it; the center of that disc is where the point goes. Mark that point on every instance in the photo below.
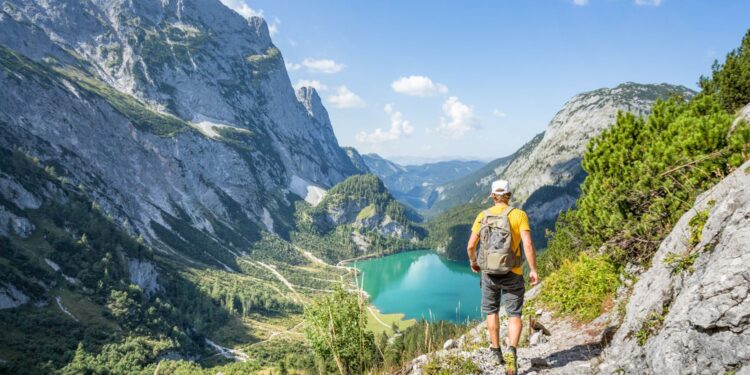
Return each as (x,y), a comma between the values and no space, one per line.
(486,213)
(507,211)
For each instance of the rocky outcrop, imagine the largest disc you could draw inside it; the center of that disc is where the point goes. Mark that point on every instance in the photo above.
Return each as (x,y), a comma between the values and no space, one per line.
(694,317)
(143,274)
(554,346)
(11,297)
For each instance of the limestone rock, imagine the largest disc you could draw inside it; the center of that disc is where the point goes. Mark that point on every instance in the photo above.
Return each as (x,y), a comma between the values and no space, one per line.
(706,313)
(143,274)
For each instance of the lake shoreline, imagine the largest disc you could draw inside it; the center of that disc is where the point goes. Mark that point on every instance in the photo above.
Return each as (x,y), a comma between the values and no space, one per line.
(420,284)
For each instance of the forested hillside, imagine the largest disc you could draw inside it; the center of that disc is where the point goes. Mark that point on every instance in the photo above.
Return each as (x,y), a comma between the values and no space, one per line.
(356,217)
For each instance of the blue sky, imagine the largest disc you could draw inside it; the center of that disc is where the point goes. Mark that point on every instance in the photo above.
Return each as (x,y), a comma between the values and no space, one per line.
(478,79)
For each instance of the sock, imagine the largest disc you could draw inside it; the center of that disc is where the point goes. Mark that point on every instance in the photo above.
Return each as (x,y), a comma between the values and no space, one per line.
(496,349)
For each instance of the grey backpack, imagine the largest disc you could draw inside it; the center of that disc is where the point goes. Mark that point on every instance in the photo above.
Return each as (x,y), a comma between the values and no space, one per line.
(496,255)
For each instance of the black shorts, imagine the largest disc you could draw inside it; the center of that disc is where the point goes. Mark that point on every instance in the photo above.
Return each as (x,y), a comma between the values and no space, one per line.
(509,287)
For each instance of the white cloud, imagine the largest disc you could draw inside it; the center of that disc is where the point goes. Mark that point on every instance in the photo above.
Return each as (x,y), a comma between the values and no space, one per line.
(292,66)
(310,83)
(498,113)
(458,119)
(655,3)
(418,86)
(345,98)
(273,26)
(242,8)
(399,127)
(322,65)
(580,2)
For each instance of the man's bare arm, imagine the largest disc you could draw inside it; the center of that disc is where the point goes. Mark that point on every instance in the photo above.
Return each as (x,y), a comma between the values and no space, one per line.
(471,250)
(528,250)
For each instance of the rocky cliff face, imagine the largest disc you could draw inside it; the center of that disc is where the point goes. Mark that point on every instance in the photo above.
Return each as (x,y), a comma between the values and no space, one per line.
(693,319)
(176,116)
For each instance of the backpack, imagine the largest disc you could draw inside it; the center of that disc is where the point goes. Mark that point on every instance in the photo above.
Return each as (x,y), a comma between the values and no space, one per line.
(496,254)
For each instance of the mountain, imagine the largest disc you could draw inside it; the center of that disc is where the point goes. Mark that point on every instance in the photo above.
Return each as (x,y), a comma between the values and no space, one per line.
(153,156)
(546,172)
(171,114)
(415,185)
(362,216)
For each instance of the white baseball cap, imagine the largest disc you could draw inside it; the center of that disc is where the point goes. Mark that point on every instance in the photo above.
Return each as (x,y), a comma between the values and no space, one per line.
(500,187)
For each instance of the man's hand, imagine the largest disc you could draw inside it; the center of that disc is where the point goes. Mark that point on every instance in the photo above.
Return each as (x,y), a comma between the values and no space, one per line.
(475,266)
(533,278)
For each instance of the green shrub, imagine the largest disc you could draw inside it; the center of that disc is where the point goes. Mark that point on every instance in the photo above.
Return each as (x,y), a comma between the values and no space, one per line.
(679,263)
(651,326)
(336,328)
(450,365)
(579,288)
(696,224)
(731,80)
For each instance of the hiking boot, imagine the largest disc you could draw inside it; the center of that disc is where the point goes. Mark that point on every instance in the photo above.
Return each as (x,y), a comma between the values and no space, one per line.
(498,354)
(510,362)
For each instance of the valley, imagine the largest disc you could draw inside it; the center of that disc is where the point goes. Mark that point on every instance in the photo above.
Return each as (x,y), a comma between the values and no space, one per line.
(171,203)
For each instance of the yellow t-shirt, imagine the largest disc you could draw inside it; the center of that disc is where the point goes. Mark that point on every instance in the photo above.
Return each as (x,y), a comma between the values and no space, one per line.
(518,222)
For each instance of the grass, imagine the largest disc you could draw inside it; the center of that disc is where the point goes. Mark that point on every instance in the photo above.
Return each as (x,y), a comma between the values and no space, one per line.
(84,309)
(390,319)
(449,365)
(366,212)
(651,326)
(697,223)
(138,113)
(581,287)
(679,263)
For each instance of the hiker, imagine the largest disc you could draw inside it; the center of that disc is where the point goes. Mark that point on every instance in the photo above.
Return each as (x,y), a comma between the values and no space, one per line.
(499,231)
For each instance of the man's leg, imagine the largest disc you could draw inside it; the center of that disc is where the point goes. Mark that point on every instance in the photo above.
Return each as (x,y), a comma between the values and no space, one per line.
(515,324)
(493,326)
(513,293)
(490,306)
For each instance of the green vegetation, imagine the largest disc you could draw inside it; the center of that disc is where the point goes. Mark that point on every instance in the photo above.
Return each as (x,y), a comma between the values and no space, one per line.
(680,263)
(449,232)
(730,81)
(356,199)
(580,287)
(451,364)
(651,326)
(335,326)
(696,227)
(138,113)
(391,323)
(643,175)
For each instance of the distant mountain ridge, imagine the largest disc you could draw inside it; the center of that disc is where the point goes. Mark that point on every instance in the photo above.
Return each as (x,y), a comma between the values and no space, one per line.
(415,185)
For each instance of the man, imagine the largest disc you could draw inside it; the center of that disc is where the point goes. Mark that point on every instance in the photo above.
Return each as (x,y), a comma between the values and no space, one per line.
(507,279)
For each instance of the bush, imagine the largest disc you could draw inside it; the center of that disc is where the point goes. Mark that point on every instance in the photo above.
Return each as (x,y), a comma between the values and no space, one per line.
(730,81)
(579,288)
(336,327)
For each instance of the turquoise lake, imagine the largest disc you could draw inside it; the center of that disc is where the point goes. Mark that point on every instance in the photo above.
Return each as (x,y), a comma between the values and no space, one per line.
(421,284)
